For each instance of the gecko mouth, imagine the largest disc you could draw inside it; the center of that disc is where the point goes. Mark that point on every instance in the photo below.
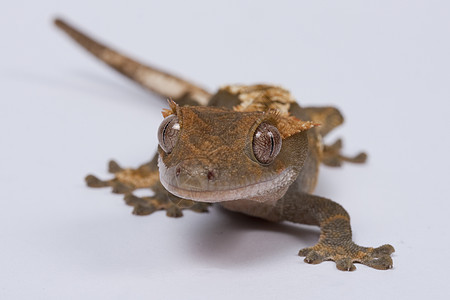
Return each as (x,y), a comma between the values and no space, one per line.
(259,191)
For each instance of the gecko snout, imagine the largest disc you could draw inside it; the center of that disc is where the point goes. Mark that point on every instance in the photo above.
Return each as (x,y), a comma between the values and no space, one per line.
(195,174)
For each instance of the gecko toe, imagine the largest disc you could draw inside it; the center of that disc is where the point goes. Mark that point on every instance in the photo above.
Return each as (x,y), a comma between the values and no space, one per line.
(132,200)
(113,167)
(381,263)
(94,182)
(345,264)
(383,250)
(174,212)
(117,186)
(314,257)
(121,188)
(360,158)
(304,251)
(200,207)
(140,210)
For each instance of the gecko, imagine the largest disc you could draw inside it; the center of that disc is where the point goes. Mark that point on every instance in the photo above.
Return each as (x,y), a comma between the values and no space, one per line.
(249,148)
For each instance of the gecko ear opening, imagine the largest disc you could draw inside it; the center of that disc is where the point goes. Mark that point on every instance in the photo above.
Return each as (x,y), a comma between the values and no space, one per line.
(173,108)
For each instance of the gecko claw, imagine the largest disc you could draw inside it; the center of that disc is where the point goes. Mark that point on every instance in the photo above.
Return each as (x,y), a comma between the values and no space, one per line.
(311,256)
(345,264)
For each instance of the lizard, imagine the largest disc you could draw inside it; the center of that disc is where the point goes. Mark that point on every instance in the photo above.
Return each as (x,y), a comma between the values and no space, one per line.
(250,148)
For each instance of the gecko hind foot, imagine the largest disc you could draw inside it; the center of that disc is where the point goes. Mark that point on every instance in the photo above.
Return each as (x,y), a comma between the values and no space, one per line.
(332,155)
(345,255)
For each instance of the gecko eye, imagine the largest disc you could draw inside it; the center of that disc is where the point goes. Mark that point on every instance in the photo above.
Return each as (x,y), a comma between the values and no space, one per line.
(266,143)
(168,133)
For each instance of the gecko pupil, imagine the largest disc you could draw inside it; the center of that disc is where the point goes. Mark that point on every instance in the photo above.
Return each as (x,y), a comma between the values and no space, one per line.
(272,146)
(266,143)
(164,133)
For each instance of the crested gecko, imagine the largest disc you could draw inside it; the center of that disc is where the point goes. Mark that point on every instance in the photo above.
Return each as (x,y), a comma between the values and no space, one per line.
(251,148)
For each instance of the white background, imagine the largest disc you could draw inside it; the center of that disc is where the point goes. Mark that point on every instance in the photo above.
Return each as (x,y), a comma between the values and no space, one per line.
(385,64)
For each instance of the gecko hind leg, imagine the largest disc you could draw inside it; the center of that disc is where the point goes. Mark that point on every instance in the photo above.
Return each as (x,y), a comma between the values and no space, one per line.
(332,155)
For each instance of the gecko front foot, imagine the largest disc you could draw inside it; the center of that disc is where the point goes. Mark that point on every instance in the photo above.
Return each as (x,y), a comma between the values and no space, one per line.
(125,180)
(147,205)
(348,253)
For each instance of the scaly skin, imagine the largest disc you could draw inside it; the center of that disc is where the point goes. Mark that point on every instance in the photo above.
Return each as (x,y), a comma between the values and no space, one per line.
(209,156)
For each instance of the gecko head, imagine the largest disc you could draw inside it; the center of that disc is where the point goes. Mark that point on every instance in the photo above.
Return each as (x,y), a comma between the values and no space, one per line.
(214,154)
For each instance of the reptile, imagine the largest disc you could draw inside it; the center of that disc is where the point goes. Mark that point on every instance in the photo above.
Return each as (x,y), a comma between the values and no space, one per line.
(249,148)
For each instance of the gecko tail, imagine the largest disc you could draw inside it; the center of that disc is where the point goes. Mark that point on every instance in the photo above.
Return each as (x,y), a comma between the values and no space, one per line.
(160,82)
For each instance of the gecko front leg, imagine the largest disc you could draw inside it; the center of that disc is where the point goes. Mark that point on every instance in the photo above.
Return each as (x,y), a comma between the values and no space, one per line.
(125,181)
(335,242)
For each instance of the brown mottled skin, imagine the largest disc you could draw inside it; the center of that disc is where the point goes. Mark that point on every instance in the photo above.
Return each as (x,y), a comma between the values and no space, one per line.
(252,149)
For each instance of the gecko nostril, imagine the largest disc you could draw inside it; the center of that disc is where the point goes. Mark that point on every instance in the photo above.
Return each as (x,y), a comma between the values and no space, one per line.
(178,171)
(211,175)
